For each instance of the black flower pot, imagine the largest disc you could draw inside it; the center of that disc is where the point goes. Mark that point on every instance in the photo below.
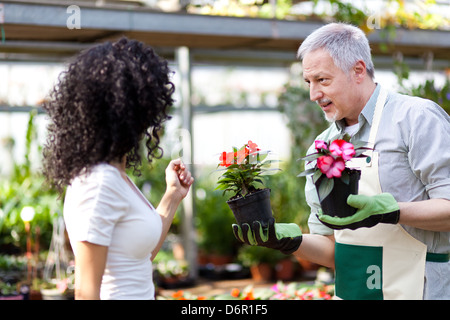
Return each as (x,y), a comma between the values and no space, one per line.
(253,207)
(335,203)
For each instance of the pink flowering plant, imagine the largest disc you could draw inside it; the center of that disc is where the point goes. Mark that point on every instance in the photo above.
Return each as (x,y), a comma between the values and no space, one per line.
(331,157)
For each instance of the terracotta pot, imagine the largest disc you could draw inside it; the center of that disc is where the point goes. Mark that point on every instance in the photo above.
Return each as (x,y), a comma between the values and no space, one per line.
(253,207)
(35,295)
(219,259)
(261,272)
(202,258)
(335,204)
(307,265)
(284,270)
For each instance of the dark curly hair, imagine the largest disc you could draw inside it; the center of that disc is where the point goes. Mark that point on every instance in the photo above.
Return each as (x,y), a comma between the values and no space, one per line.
(110,98)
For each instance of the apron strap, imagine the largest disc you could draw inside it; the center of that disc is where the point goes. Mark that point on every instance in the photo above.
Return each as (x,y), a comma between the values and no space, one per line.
(438,257)
(377,115)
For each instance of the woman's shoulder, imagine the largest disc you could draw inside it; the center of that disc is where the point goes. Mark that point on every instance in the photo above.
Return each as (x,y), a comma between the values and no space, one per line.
(99,173)
(100,186)
(101,178)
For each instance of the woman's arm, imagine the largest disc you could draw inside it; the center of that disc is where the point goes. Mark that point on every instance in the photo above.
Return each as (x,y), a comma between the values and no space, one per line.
(90,264)
(179,181)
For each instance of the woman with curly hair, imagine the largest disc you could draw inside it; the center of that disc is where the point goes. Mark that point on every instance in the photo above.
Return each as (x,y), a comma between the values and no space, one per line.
(110,99)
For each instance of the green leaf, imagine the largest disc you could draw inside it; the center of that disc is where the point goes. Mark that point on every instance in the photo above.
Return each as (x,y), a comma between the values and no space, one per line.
(317,176)
(259,180)
(268,163)
(311,157)
(325,188)
(221,187)
(307,172)
(346,137)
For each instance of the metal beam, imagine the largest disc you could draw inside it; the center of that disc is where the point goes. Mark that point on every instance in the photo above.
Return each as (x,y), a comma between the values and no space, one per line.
(188,231)
(146,20)
(27,109)
(252,32)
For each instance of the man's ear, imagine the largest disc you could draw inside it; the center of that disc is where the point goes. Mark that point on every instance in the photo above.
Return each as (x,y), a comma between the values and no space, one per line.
(359,71)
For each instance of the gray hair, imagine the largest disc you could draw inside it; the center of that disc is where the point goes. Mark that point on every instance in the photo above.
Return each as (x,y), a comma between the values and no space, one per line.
(345,43)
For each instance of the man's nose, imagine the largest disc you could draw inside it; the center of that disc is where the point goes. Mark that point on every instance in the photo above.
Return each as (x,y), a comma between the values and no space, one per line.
(315,93)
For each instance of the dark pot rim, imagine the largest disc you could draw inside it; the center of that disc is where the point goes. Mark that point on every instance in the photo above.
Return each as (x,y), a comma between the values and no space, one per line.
(250,197)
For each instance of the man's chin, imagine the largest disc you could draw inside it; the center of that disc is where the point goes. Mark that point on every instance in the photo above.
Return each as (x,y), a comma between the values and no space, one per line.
(331,116)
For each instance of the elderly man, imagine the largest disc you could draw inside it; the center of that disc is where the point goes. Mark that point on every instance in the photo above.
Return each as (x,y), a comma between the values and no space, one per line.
(397,244)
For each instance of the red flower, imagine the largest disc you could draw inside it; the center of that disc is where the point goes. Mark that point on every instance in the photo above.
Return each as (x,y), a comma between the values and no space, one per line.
(330,166)
(342,148)
(226,159)
(178,295)
(235,293)
(249,296)
(238,156)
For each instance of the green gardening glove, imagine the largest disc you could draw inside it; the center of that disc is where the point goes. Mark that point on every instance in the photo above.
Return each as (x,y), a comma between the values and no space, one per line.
(285,237)
(381,208)
(244,234)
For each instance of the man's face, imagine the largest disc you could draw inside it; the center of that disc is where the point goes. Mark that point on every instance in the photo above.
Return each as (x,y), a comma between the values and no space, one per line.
(330,87)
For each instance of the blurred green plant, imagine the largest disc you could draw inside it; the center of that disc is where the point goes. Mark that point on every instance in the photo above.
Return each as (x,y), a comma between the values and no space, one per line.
(167,266)
(429,90)
(213,220)
(253,255)
(26,187)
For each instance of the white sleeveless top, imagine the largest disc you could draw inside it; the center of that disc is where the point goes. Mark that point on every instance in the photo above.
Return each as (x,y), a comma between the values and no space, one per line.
(101,208)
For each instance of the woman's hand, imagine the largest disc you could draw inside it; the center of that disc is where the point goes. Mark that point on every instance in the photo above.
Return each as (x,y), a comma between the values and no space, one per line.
(178,179)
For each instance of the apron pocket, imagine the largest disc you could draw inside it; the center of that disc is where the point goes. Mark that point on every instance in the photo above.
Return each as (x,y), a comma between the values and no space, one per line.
(358,272)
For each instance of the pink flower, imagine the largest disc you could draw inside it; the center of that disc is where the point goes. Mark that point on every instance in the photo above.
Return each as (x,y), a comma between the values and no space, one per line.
(275,288)
(62,285)
(320,144)
(342,148)
(330,166)
(253,147)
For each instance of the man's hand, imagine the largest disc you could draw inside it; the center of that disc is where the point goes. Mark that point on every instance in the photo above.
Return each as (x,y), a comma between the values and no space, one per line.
(285,237)
(381,208)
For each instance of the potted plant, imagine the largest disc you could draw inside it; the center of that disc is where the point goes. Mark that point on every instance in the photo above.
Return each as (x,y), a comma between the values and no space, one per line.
(243,168)
(334,181)
(261,261)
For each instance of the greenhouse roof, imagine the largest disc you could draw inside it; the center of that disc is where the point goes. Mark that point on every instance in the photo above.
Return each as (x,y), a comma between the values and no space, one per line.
(38,30)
